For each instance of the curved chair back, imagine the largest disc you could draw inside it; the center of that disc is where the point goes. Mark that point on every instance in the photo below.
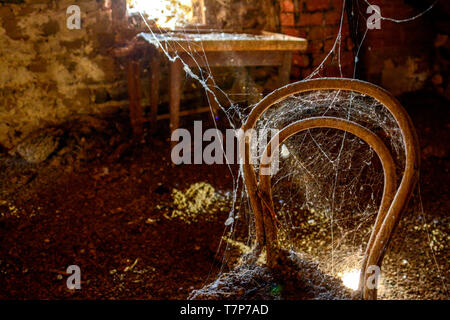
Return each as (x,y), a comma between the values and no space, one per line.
(394,198)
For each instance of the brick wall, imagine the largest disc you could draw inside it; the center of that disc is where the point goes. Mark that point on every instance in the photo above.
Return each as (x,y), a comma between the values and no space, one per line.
(318,21)
(242,15)
(401,57)
(398,56)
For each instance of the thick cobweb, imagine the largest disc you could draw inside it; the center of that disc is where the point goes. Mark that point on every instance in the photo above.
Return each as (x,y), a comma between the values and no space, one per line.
(328,187)
(330,180)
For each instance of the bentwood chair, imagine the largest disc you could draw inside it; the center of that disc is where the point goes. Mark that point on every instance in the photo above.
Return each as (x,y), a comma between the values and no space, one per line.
(395,195)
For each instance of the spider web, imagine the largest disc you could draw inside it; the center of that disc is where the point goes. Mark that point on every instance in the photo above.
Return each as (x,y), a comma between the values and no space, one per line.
(329,184)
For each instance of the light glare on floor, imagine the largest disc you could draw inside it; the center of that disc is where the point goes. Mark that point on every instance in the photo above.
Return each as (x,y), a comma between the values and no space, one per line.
(351,279)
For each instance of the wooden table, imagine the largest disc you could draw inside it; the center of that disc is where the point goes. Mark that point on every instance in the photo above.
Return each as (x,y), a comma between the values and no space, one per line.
(211,49)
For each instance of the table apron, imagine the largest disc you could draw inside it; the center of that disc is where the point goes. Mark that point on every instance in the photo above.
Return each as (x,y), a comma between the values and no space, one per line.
(234,58)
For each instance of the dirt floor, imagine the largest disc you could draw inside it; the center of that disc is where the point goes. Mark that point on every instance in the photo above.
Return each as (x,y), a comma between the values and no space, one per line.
(103,205)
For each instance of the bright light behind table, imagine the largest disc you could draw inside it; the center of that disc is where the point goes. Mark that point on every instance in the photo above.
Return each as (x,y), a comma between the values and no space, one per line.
(167,14)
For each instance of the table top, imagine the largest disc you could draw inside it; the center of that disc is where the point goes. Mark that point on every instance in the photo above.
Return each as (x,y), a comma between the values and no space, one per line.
(215,42)
(220,41)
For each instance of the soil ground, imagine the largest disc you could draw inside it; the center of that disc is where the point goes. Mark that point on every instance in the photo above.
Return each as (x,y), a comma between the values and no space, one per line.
(106,214)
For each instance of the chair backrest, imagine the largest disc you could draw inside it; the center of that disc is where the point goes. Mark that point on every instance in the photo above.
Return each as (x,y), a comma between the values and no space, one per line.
(395,196)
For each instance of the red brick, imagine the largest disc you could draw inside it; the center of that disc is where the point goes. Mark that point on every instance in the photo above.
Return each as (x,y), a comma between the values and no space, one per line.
(322,33)
(337,4)
(293,32)
(311,19)
(318,58)
(287,6)
(332,17)
(347,58)
(290,31)
(306,72)
(328,44)
(348,71)
(345,30)
(287,19)
(316,5)
(296,72)
(300,60)
(314,47)
(304,30)
(350,44)
(332,71)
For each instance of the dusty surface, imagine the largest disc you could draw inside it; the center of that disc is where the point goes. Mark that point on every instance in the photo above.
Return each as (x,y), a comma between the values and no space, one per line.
(293,278)
(104,218)
(110,215)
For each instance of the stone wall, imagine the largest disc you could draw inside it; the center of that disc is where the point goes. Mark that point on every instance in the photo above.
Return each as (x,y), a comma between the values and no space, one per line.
(49,73)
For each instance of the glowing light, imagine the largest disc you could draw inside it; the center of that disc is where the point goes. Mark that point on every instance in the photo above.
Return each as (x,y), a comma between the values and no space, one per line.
(166,13)
(350,278)
(284,151)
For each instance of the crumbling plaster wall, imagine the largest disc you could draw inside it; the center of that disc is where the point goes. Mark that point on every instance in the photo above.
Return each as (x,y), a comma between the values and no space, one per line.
(49,73)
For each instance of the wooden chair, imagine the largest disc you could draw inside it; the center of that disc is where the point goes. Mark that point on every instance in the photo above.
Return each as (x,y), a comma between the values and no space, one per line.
(394,198)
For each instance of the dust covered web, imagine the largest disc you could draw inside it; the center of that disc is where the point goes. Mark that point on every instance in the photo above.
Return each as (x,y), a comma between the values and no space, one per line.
(326,192)
(328,187)
(329,184)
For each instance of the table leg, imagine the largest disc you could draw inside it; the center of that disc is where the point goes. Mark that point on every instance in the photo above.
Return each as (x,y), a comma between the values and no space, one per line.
(175,94)
(135,94)
(284,71)
(154,74)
